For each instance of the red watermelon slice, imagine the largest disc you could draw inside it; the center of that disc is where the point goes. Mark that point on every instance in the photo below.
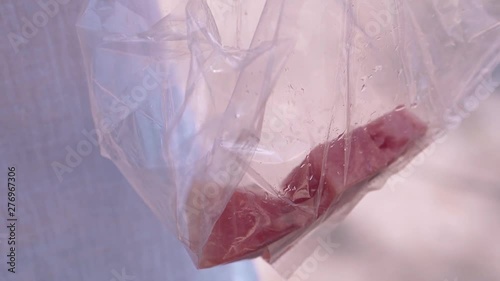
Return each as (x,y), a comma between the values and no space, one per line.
(252,219)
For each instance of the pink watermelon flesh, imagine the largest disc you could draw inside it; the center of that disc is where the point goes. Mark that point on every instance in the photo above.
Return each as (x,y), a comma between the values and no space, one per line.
(252,219)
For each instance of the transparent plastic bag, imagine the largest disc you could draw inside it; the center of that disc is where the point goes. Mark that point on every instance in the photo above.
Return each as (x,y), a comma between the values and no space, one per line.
(248,126)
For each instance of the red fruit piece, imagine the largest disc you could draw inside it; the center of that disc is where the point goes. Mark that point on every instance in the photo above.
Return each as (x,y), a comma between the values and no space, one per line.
(252,220)
(369,150)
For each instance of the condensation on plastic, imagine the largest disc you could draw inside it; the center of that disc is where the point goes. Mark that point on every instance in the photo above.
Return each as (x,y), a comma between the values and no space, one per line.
(217,96)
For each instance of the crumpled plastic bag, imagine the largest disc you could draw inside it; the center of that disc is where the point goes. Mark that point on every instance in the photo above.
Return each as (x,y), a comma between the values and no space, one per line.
(248,125)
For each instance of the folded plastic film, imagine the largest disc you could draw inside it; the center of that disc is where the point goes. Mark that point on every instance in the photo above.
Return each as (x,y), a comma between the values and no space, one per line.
(172,104)
(250,126)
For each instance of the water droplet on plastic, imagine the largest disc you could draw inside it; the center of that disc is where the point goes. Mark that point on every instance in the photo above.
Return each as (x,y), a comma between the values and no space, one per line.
(400,107)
